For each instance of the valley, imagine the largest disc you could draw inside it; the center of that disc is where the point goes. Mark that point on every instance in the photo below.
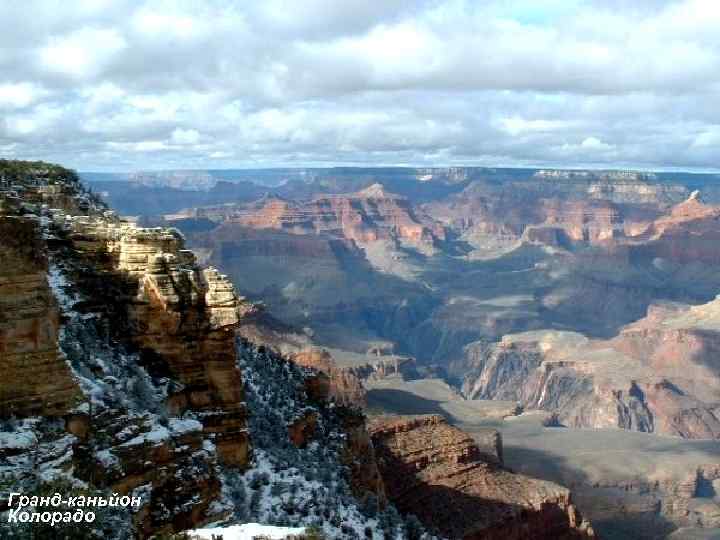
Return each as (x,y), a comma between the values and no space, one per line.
(572,311)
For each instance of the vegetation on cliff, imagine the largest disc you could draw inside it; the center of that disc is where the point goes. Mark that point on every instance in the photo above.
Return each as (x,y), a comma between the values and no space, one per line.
(23,172)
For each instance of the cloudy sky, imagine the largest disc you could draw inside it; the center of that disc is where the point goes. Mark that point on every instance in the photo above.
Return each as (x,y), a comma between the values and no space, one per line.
(121,85)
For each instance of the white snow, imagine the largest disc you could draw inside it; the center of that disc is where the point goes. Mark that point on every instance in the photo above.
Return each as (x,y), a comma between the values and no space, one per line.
(180,426)
(17,440)
(157,434)
(107,459)
(247,531)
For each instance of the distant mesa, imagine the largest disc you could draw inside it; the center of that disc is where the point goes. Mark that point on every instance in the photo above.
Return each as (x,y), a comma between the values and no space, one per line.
(375,191)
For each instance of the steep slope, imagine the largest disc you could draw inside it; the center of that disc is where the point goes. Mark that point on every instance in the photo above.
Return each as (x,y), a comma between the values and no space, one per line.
(438,473)
(37,379)
(137,390)
(658,374)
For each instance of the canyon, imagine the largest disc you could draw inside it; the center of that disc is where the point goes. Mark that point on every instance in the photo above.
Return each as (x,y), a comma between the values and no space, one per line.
(130,367)
(536,348)
(582,301)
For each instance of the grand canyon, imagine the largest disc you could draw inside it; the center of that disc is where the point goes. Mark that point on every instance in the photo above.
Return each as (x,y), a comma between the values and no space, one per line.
(572,312)
(360,270)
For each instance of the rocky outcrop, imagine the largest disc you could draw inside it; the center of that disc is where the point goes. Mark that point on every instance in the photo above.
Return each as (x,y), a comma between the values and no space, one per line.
(146,386)
(172,468)
(438,473)
(36,379)
(302,429)
(366,216)
(344,386)
(360,456)
(658,375)
(180,316)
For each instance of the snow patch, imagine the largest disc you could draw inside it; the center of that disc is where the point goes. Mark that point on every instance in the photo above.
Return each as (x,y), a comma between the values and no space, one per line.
(248,531)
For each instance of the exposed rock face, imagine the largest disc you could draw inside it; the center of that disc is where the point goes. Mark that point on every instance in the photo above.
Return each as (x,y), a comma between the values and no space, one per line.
(182,317)
(36,379)
(302,429)
(437,472)
(496,218)
(137,298)
(366,476)
(658,375)
(344,386)
(366,216)
(173,469)
(688,234)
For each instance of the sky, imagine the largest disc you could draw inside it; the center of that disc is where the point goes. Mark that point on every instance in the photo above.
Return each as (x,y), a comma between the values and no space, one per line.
(108,85)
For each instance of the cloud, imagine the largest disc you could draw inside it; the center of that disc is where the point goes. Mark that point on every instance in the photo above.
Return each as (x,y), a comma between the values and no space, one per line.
(120,84)
(18,96)
(80,54)
(185,136)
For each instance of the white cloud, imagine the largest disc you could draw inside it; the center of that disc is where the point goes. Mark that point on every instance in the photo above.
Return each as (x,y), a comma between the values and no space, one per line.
(150,82)
(185,136)
(708,138)
(140,146)
(516,125)
(18,95)
(593,143)
(82,53)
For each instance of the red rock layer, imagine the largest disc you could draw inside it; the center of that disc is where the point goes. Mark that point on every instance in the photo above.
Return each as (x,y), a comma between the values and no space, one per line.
(437,472)
(689,234)
(180,316)
(371,214)
(344,386)
(36,379)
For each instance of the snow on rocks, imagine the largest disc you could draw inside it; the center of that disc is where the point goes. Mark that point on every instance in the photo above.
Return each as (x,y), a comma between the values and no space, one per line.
(247,531)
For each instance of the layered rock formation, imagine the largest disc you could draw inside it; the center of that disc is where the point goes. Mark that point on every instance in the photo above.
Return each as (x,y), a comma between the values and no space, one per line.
(438,473)
(36,379)
(180,316)
(366,216)
(494,219)
(89,306)
(688,234)
(344,385)
(172,467)
(658,375)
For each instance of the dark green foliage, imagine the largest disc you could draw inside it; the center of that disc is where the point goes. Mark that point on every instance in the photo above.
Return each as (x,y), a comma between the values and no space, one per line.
(18,172)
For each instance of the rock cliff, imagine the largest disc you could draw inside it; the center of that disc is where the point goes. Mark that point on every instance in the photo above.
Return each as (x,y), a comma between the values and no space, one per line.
(181,318)
(36,378)
(365,216)
(438,473)
(658,375)
(117,334)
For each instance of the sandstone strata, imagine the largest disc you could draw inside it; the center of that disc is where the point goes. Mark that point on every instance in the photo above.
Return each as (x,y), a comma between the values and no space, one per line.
(438,473)
(36,379)
(366,216)
(182,318)
(138,296)
(344,386)
(658,375)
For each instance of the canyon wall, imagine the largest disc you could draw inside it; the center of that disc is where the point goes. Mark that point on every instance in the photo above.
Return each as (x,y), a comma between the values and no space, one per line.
(36,378)
(116,333)
(181,318)
(440,475)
